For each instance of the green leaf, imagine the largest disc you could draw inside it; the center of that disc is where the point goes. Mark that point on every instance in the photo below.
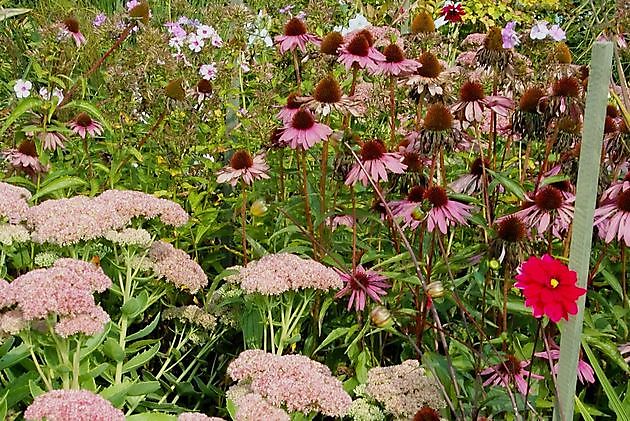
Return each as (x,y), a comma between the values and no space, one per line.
(252,327)
(14,356)
(610,349)
(141,359)
(9,13)
(113,350)
(90,109)
(143,388)
(511,185)
(151,416)
(23,106)
(145,330)
(332,336)
(582,410)
(57,184)
(95,341)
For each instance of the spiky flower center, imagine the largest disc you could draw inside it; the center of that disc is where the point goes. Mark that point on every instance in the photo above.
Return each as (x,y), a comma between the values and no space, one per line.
(529,101)
(359,46)
(302,120)
(437,196)
(368,36)
(438,118)
(331,43)
(567,87)
(511,229)
(563,54)
(494,39)
(292,104)
(623,201)
(627,177)
(611,111)
(359,280)
(72,25)
(28,148)
(416,194)
(393,54)
(204,86)
(84,120)
(328,91)
(294,27)
(471,91)
(427,413)
(511,366)
(610,125)
(477,166)
(423,23)
(569,125)
(412,161)
(549,198)
(431,67)
(372,150)
(241,160)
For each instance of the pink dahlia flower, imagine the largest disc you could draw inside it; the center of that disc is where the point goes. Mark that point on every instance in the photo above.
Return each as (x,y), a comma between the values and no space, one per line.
(395,63)
(71,25)
(612,218)
(550,208)
(75,405)
(295,36)
(360,285)
(243,166)
(303,131)
(510,371)
(359,52)
(377,162)
(83,125)
(444,211)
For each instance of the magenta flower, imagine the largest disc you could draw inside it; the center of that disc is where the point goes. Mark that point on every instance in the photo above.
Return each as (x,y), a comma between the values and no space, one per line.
(243,166)
(409,208)
(395,63)
(453,12)
(360,285)
(585,372)
(377,162)
(295,36)
(83,125)
(612,218)
(71,26)
(549,208)
(509,35)
(303,131)
(444,211)
(359,52)
(510,371)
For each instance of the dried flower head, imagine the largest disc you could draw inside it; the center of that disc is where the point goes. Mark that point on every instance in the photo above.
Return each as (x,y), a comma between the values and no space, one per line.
(562,53)
(423,23)
(331,43)
(492,55)
(141,11)
(175,89)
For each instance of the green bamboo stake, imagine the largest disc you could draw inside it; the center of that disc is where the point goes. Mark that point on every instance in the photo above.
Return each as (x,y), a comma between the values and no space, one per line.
(579,259)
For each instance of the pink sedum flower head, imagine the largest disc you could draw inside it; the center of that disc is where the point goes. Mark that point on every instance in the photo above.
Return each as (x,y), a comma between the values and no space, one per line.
(359,52)
(244,167)
(360,285)
(71,26)
(550,208)
(444,211)
(549,287)
(377,162)
(177,267)
(75,405)
(295,36)
(612,217)
(196,416)
(22,88)
(303,131)
(510,371)
(13,202)
(84,125)
(509,35)
(395,63)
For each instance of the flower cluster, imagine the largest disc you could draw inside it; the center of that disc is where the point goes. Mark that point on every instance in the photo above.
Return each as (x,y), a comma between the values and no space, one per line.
(293,382)
(193,315)
(196,416)
(176,267)
(75,405)
(13,202)
(10,234)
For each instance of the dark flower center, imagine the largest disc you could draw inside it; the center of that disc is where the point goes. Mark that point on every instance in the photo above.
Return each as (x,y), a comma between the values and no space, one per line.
(567,87)
(548,198)
(511,229)
(627,177)
(372,150)
(438,118)
(529,100)
(84,120)
(328,91)
(72,25)
(436,195)
(423,23)
(563,54)
(294,27)
(331,43)
(476,168)
(610,125)
(494,40)
(393,54)
(623,127)
(416,194)
(611,111)
(359,279)
(569,125)
(471,91)
(292,104)
(175,90)
(426,413)
(241,160)
(431,66)
(368,36)
(28,148)
(563,185)
(204,86)
(412,161)
(359,46)
(511,366)
(302,120)
(623,201)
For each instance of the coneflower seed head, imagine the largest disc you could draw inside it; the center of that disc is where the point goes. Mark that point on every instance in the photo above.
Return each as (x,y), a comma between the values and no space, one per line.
(416,194)
(471,91)
(175,90)
(548,198)
(359,46)
(241,160)
(71,24)
(529,101)
(368,36)
(328,91)
(476,168)
(438,118)
(563,54)
(610,125)
(494,40)
(292,104)
(569,125)
(372,149)
(331,43)
(83,119)
(28,148)
(423,23)
(567,87)
(204,86)
(393,54)
(623,200)
(302,120)
(511,229)
(611,111)
(426,413)
(431,66)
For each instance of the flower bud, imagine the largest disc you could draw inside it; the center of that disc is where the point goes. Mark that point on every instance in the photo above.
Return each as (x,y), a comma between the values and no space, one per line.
(494,264)
(380,316)
(417,214)
(435,289)
(175,90)
(258,208)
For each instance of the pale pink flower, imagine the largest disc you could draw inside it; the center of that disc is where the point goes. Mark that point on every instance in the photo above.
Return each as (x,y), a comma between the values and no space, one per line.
(196,416)
(359,52)
(360,285)
(130,204)
(556,33)
(71,25)
(25,159)
(13,202)
(377,162)
(303,131)
(509,35)
(195,43)
(52,140)
(295,36)
(253,407)
(409,209)
(83,125)
(288,111)
(208,71)
(539,30)
(467,59)
(549,208)
(612,217)
(243,167)
(473,101)
(444,211)
(22,88)
(336,221)
(75,405)
(471,182)
(510,371)
(177,267)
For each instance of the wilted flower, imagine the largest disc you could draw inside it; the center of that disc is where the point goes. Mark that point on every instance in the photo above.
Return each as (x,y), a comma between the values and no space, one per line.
(22,88)
(177,267)
(328,97)
(83,125)
(527,121)
(612,217)
(51,140)
(510,371)
(360,285)
(471,182)
(71,25)
(565,98)
(473,101)
(377,162)
(492,54)
(295,36)
(288,111)
(438,131)
(444,212)
(244,167)
(423,23)
(76,405)
(549,287)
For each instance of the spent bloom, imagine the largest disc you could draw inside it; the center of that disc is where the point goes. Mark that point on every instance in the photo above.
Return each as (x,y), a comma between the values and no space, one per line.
(510,371)
(360,285)
(612,217)
(83,125)
(13,202)
(473,101)
(303,131)
(208,71)
(244,167)
(295,36)
(25,159)
(75,405)
(549,287)
(510,37)
(177,267)
(51,140)
(377,163)
(22,88)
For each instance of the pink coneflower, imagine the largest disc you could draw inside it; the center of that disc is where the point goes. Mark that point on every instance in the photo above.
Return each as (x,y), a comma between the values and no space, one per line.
(510,371)
(585,372)
(288,111)
(549,208)
(336,221)
(444,211)
(203,90)
(473,101)
(295,36)
(395,63)
(359,52)
(52,140)
(25,159)
(360,285)
(303,131)
(409,208)
(377,162)
(71,25)
(328,96)
(471,182)
(243,166)
(83,125)
(612,218)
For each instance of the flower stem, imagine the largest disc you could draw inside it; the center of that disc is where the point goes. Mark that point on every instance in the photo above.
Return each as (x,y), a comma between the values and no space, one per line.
(307,205)
(244,224)
(298,78)
(392,109)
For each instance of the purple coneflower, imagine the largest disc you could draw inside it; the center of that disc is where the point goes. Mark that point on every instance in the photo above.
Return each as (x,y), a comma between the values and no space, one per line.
(409,208)
(203,90)
(328,97)
(331,43)
(395,63)
(510,371)
(295,36)
(527,121)
(438,131)
(612,218)
(288,111)
(444,211)
(71,25)
(551,208)
(243,166)
(428,82)
(25,159)
(360,285)
(52,140)
(473,100)
(565,98)
(303,131)
(83,125)
(471,182)
(585,372)
(377,162)
(359,52)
